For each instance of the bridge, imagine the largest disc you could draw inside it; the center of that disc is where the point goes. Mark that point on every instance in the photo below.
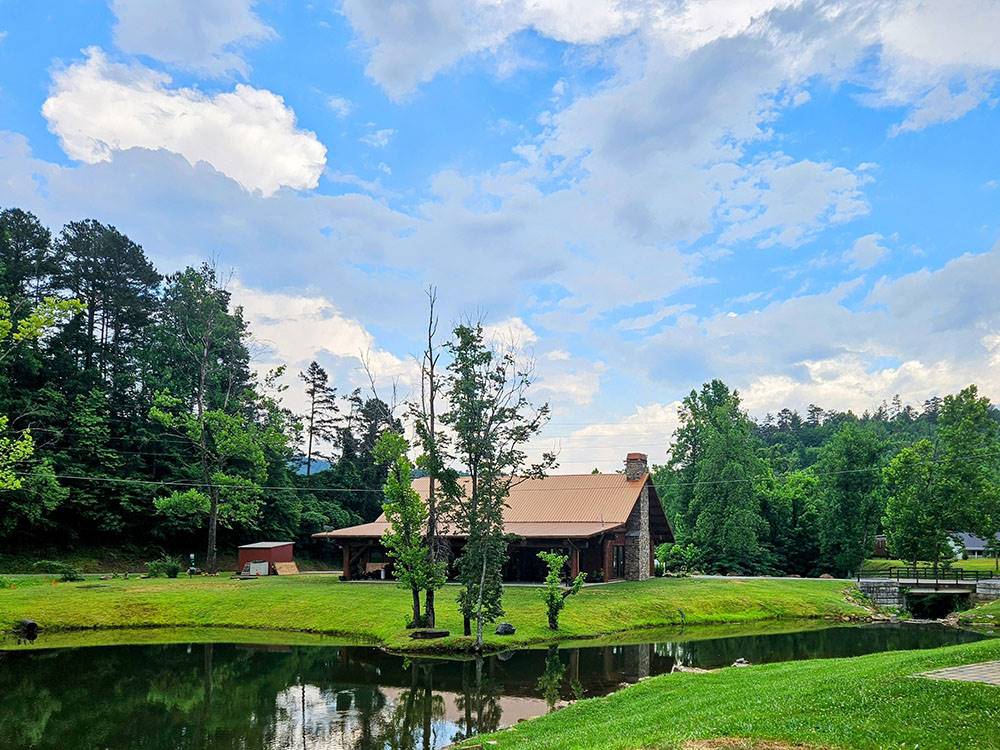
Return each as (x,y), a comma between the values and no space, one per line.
(889,587)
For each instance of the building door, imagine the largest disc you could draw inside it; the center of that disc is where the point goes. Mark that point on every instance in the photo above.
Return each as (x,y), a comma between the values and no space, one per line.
(618,561)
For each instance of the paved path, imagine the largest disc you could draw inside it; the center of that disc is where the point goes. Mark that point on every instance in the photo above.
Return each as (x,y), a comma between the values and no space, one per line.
(988,672)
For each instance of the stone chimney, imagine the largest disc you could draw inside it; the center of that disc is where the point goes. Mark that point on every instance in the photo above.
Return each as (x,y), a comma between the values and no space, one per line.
(636,465)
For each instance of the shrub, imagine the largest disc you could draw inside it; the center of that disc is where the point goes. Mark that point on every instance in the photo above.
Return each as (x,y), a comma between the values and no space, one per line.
(6,583)
(64,571)
(165,567)
(553,593)
(676,559)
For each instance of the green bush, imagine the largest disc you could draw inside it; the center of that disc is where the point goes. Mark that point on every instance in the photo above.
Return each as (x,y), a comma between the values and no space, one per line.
(64,571)
(6,583)
(166,567)
(553,594)
(676,559)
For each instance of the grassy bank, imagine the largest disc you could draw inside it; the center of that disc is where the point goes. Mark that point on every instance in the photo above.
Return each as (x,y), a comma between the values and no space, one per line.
(987,614)
(866,702)
(376,613)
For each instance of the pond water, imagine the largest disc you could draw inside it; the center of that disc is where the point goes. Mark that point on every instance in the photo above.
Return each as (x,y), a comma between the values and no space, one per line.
(226,696)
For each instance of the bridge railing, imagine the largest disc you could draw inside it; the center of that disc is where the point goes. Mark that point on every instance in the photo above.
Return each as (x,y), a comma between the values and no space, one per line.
(926,574)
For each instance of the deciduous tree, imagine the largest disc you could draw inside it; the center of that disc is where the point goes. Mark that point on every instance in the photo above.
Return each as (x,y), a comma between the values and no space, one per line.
(406,513)
(492,420)
(851,497)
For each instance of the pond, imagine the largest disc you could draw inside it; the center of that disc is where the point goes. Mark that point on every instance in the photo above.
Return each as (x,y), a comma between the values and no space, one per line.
(219,696)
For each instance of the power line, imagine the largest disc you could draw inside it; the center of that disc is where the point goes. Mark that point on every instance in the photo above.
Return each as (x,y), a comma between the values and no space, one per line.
(699,482)
(198,485)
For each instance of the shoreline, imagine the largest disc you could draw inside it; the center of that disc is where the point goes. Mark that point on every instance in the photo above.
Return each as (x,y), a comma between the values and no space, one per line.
(320,607)
(135,635)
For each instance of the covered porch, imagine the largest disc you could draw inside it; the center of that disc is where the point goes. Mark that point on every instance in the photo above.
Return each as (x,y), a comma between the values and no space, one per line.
(601,557)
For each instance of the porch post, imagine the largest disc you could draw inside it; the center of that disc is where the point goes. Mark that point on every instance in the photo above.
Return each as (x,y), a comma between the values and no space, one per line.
(574,562)
(607,558)
(347,561)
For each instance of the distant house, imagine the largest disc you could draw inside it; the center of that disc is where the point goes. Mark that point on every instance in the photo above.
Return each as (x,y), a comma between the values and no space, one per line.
(608,525)
(969,545)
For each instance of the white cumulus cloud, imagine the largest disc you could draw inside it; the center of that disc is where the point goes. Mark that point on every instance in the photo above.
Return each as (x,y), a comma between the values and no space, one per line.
(97,107)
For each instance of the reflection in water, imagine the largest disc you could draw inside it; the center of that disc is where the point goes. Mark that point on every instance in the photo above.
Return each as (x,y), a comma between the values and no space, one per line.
(224,696)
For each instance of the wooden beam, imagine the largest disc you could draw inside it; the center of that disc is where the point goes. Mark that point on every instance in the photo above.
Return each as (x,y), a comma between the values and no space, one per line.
(347,561)
(607,559)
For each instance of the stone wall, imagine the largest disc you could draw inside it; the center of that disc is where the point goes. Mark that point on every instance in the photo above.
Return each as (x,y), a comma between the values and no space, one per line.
(987,591)
(883,593)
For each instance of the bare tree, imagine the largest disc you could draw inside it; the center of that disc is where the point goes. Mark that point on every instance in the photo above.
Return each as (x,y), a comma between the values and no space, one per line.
(434,447)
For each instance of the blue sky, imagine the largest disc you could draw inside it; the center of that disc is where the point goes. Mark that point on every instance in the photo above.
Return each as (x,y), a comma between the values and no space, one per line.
(798,197)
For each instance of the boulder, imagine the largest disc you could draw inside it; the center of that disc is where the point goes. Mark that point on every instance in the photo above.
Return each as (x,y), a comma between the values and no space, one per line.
(505,628)
(741,662)
(827,577)
(27,629)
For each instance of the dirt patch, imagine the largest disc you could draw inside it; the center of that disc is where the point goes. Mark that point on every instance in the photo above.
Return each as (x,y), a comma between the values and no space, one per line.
(744,743)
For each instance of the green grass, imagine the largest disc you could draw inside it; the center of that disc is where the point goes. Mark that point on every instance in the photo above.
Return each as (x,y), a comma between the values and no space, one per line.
(987,614)
(866,702)
(376,613)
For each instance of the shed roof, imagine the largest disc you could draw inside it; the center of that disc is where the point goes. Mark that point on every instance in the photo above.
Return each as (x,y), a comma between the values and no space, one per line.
(264,545)
(563,505)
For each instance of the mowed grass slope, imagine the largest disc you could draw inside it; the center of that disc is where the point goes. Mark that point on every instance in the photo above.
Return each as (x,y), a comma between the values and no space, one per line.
(376,613)
(866,702)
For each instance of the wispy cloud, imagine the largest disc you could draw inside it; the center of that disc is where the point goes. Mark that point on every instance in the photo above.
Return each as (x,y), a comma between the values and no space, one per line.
(378,138)
(340,106)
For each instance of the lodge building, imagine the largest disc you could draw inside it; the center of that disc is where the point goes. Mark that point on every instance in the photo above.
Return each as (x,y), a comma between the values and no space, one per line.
(608,525)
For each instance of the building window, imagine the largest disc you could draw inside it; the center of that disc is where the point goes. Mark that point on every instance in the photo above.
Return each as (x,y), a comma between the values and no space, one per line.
(618,561)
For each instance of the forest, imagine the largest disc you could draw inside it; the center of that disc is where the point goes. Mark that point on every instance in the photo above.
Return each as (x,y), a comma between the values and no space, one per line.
(132,415)
(112,399)
(807,496)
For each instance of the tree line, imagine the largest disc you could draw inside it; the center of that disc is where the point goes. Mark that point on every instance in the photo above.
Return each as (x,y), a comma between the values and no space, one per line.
(131,415)
(807,496)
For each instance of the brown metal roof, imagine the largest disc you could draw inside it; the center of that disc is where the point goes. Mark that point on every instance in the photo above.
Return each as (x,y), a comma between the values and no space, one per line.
(564,505)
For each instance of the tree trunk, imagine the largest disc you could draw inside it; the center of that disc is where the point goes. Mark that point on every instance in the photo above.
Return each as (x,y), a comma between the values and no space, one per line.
(429,606)
(466,625)
(312,419)
(479,607)
(213,521)
(416,607)
(432,550)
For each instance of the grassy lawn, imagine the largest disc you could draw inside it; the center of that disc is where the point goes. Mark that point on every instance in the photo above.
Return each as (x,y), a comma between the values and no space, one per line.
(376,613)
(865,702)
